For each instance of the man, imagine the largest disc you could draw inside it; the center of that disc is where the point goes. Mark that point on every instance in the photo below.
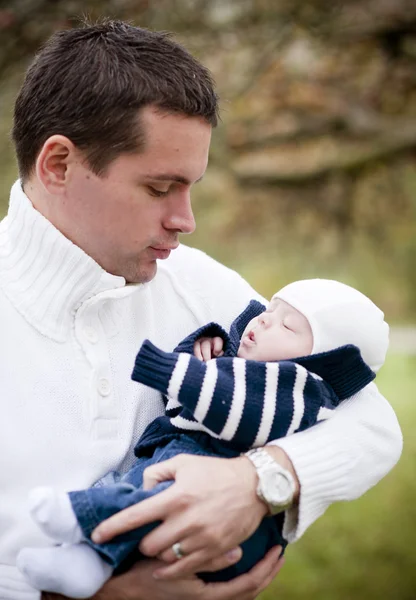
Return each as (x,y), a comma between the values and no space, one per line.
(112,129)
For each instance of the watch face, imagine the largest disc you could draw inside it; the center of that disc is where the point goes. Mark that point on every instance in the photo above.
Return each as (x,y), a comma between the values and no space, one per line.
(279,489)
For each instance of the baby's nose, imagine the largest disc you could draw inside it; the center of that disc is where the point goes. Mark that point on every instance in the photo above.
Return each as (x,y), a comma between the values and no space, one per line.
(264,319)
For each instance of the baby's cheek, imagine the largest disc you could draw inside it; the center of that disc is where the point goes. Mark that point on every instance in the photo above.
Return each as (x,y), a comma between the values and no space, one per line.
(249,327)
(241,353)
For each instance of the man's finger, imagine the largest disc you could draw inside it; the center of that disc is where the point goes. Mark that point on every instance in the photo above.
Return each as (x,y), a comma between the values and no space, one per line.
(199,544)
(222,562)
(154,474)
(182,528)
(229,558)
(267,570)
(152,509)
(249,585)
(196,562)
(280,563)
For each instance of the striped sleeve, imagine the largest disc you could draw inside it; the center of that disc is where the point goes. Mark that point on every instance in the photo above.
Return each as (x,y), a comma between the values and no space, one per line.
(290,399)
(247,403)
(199,387)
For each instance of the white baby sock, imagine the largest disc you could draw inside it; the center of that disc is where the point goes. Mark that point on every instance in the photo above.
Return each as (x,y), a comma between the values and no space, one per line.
(76,571)
(54,514)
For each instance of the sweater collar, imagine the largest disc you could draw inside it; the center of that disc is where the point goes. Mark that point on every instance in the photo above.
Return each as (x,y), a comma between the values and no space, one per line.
(45,275)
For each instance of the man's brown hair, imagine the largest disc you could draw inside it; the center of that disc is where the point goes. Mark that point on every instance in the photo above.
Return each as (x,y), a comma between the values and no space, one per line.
(90,83)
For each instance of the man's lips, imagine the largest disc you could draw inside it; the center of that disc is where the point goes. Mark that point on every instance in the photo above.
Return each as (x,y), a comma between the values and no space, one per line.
(163,252)
(165,246)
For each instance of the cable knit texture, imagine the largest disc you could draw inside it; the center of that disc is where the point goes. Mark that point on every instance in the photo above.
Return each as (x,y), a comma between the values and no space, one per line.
(71,413)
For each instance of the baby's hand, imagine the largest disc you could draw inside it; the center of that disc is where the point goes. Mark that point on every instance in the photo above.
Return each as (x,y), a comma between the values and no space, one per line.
(206,348)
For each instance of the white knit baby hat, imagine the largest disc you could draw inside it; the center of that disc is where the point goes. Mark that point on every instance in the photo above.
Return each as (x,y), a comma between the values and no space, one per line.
(338,315)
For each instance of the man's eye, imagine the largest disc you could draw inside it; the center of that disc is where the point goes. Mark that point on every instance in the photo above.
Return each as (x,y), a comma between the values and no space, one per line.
(157,193)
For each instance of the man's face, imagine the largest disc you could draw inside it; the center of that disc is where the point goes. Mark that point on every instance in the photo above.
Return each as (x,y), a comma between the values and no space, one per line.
(132,215)
(279,333)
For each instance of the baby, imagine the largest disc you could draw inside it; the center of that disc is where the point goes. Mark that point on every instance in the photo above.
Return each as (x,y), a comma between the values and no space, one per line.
(277,371)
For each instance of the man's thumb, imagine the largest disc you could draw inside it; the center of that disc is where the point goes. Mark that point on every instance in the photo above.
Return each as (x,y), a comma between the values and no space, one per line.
(163,471)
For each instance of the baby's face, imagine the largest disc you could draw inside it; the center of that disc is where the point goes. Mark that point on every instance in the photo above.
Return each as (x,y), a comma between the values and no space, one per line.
(279,333)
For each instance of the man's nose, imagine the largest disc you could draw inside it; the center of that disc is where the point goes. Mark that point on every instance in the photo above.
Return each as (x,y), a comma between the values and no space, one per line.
(179,216)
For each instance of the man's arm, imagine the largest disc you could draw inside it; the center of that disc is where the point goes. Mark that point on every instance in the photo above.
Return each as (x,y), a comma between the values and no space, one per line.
(213,504)
(139,584)
(342,458)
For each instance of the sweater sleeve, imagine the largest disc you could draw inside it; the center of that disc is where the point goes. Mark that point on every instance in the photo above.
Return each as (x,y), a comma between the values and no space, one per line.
(343,457)
(247,403)
(253,402)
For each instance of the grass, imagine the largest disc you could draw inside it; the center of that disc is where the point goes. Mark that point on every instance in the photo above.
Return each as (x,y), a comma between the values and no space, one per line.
(364,550)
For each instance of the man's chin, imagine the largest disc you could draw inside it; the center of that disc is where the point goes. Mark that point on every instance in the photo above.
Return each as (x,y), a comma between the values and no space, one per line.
(141,274)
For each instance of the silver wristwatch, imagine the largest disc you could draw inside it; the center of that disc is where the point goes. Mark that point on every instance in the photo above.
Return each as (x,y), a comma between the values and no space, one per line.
(276,486)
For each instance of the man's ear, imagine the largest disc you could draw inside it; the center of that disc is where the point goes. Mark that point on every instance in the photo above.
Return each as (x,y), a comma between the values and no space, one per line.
(53,164)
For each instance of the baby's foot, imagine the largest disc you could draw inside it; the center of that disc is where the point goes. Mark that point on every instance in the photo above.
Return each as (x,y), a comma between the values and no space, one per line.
(54,514)
(76,571)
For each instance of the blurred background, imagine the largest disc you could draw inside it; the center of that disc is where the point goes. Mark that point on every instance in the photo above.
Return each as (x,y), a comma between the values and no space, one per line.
(312,174)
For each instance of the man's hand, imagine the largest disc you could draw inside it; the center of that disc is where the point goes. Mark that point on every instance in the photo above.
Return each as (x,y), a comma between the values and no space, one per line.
(210,509)
(139,584)
(206,348)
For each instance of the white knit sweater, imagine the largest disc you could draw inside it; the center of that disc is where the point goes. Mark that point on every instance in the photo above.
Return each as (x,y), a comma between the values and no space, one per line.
(70,412)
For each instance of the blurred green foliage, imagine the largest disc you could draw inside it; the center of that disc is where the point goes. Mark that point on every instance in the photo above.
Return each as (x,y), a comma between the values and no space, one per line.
(364,550)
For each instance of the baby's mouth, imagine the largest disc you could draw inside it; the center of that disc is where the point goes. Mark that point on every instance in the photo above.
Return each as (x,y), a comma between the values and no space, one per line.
(249,339)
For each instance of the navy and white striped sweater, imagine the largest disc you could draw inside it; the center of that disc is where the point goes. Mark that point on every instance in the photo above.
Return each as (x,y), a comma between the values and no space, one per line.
(244,403)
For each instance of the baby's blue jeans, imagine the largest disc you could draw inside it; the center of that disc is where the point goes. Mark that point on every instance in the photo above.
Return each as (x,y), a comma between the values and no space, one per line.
(94,505)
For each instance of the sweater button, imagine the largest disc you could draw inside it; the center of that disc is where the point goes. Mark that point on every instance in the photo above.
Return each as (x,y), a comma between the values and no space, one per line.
(91,335)
(104,387)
